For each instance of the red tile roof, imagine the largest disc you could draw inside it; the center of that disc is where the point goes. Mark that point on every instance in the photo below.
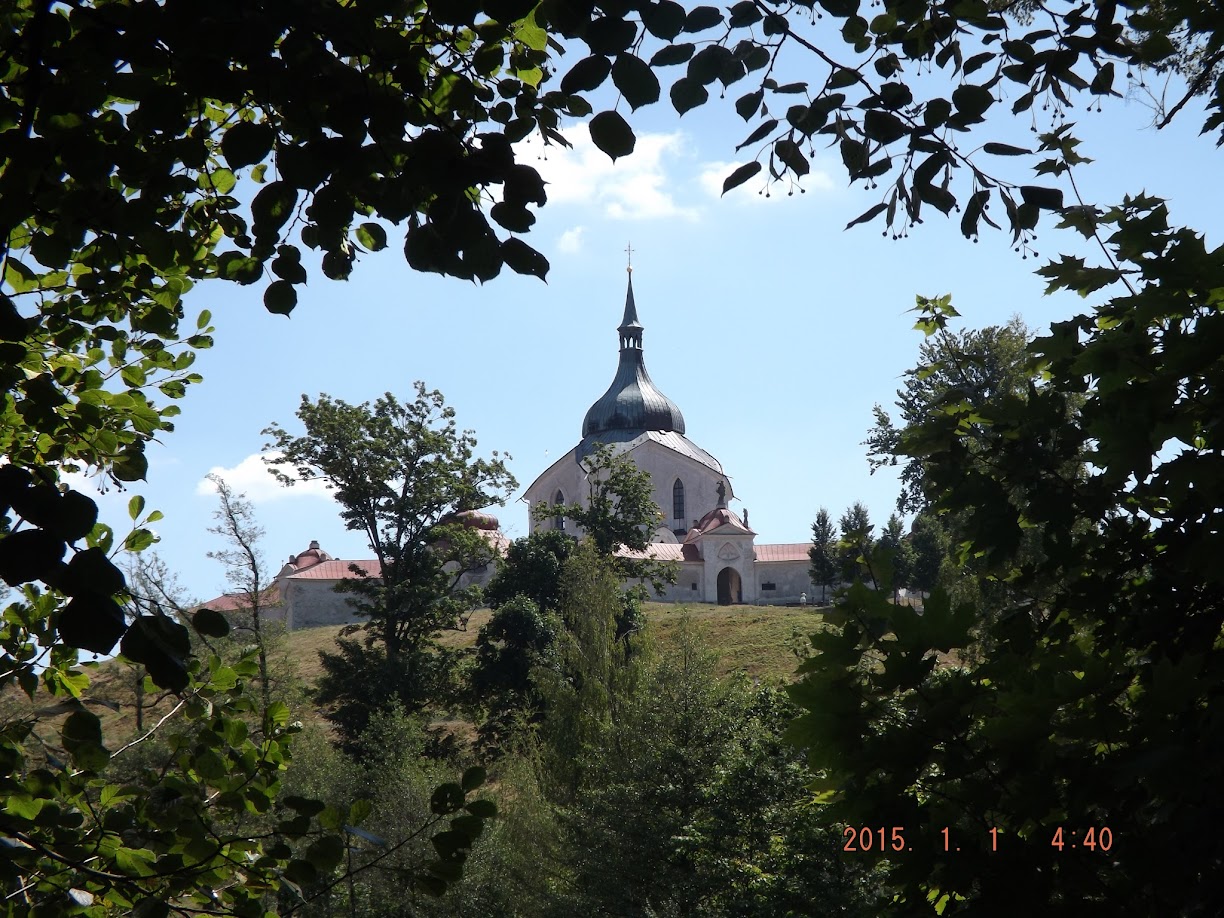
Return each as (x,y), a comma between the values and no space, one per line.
(337,570)
(234,602)
(663,551)
(793,551)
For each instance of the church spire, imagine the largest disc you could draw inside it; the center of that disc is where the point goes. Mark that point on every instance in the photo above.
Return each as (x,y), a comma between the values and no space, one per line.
(632,403)
(630,328)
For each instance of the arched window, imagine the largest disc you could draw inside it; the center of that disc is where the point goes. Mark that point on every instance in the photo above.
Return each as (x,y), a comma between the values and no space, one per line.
(678,500)
(558,520)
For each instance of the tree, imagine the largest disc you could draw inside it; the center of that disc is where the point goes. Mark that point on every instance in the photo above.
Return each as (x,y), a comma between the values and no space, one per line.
(250,585)
(854,549)
(930,542)
(823,552)
(531,567)
(978,365)
(894,546)
(521,634)
(127,145)
(401,472)
(618,517)
(585,684)
(692,805)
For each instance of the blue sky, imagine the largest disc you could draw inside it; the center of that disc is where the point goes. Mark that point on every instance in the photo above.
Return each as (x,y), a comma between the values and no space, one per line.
(772,328)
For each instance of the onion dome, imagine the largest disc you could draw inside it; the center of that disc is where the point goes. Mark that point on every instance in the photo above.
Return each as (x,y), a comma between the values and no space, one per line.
(476,519)
(310,557)
(632,402)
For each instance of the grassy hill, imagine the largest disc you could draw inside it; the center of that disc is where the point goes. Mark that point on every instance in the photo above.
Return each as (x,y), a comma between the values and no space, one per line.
(760,641)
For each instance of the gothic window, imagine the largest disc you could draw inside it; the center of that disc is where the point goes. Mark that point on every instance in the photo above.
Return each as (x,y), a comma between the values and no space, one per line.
(558,520)
(678,500)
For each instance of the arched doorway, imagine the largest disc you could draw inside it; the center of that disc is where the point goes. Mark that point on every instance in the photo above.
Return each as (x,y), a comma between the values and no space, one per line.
(730,588)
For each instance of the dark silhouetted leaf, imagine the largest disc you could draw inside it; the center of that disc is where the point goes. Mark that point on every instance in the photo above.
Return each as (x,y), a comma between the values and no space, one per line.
(741,175)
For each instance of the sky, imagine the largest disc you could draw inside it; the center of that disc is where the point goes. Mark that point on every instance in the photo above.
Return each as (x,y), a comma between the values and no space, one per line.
(772,327)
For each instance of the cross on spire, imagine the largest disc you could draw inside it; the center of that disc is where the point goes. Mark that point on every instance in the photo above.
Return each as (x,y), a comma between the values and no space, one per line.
(629,257)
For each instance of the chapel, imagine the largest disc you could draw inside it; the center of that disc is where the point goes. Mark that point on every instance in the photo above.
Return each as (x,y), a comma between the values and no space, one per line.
(715,550)
(714,546)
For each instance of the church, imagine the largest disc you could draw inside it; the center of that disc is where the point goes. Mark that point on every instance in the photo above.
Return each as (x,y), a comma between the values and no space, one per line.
(713,546)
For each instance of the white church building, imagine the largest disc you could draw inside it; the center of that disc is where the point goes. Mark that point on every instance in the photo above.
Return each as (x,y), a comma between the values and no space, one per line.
(715,550)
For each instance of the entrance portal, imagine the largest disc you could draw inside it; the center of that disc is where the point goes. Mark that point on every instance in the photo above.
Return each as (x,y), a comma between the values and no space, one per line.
(730,588)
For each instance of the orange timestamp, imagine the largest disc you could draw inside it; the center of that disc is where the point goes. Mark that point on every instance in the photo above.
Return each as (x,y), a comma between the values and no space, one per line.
(883,839)
(892,838)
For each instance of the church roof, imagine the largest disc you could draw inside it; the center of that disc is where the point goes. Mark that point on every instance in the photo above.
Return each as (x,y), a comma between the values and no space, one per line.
(633,402)
(717,518)
(625,440)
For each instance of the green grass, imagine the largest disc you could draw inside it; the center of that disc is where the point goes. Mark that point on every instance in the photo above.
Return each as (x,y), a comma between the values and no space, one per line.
(759,641)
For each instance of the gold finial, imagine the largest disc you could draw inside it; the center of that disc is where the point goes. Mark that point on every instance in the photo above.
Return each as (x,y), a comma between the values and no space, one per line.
(629,257)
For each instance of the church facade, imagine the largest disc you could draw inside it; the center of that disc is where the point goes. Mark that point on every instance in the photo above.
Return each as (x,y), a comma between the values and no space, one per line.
(716,552)
(714,547)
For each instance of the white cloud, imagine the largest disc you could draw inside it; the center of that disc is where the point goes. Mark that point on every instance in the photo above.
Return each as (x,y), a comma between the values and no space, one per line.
(634,187)
(252,478)
(712,176)
(571,240)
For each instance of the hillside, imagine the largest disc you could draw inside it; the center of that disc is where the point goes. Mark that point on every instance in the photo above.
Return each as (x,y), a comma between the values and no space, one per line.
(760,641)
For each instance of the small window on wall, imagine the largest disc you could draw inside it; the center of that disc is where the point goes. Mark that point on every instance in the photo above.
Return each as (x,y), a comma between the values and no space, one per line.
(558,520)
(769,586)
(678,500)
(693,586)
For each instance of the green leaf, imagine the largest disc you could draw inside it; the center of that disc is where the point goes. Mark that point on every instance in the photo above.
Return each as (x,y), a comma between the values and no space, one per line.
(247,143)
(673,54)
(473,778)
(612,134)
(326,853)
(589,73)
(636,81)
(372,236)
(91,622)
(523,259)
(868,215)
(163,646)
(447,798)
(82,736)
(280,297)
(701,18)
(1003,149)
(135,507)
(210,623)
(740,175)
(139,539)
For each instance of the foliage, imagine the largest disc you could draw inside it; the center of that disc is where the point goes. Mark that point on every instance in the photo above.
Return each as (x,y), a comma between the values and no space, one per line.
(132,137)
(900,555)
(916,138)
(518,638)
(251,587)
(692,805)
(823,552)
(854,547)
(930,546)
(619,516)
(388,798)
(531,567)
(401,472)
(1092,709)
(585,684)
(976,365)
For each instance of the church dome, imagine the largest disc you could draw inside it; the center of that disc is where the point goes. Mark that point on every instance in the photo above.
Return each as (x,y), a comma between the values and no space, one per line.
(475,519)
(632,402)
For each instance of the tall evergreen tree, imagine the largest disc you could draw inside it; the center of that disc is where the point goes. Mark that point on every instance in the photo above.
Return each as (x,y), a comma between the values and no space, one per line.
(854,549)
(823,553)
(894,547)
